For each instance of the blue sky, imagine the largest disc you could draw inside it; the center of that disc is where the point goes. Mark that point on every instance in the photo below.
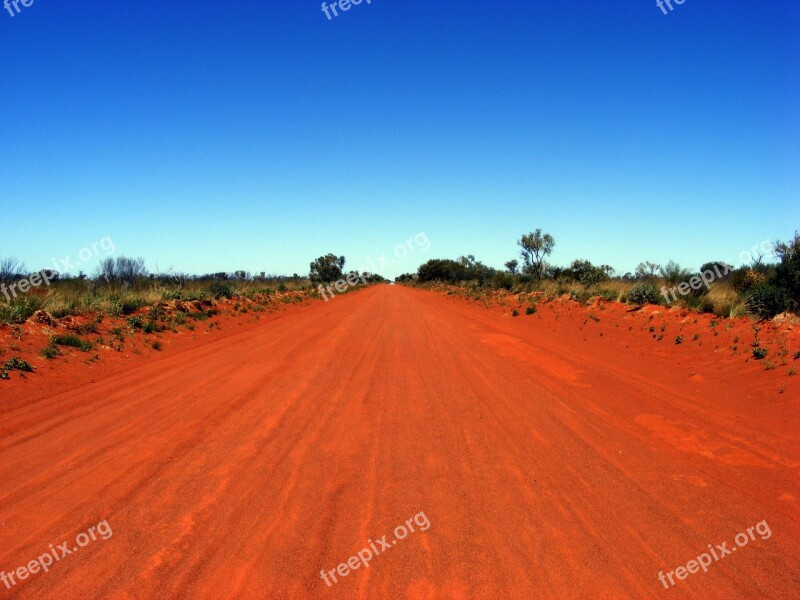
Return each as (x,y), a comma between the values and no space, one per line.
(208,136)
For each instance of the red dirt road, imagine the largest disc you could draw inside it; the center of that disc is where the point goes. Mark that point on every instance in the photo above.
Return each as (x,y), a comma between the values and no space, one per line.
(241,467)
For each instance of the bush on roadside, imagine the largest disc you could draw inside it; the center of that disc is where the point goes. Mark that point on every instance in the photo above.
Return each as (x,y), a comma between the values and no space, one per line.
(643,293)
(503,281)
(73,341)
(19,311)
(765,301)
(131,305)
(608,295)
(135,322)
(50,351)
(744,279)
(222,290)
(15,364)
(787,273)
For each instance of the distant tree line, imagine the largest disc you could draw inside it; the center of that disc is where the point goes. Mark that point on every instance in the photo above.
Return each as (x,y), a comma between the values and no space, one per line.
(766,289)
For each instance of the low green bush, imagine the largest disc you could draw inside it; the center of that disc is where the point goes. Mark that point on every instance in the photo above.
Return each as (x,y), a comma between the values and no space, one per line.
(765,301)
(73,341)
(643,293)
(15,364)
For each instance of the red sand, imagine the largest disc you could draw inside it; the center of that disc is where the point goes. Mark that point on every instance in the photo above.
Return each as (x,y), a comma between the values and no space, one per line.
(550,460)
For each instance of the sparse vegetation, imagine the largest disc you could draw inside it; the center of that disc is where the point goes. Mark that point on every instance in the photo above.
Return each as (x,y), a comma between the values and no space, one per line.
(50,351)
(643,293)
(135,322)
(760,290)
(72,341)
(15,364)
(124,287)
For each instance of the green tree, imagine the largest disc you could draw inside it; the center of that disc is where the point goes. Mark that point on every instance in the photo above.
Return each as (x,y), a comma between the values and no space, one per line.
(327,268)
(586,273)
(512,266)
(535,247)
(647,270)
(674,273)
(787,273)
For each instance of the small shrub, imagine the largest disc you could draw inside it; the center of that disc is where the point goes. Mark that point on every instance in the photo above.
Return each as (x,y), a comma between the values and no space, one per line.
(151,327)
(579,295)
(131,305)
(157,345)
(502,281)
(787,273)
(765,301)
(679,340)
(73,341)
(530,310)
(744,279)
(515,313)
(221,290)
(204,314)
(88,328)
(643,293)
(607,295)
(135,322)
(15,364)
(759,353)
(20,311)
(50,351)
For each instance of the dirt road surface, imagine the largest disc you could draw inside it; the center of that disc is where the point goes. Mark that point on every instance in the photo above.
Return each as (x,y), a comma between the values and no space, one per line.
(242,467)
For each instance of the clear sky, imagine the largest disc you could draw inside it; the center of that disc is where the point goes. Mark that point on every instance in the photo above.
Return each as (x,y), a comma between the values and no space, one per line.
(257,135)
